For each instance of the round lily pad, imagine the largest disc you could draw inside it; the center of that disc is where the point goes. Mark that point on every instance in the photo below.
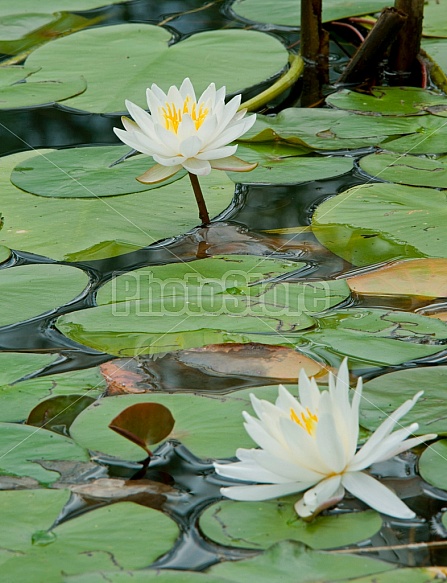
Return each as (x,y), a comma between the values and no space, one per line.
(406,169)
(84,173)
(283,561)
(433,464)
(21,446)
(210,301)
(386,393)
(373,223)
(260,524)
(117,537)
(287,12)
(100,228)
(142,55)
(210,426)
(387,100)
(30,290)
(278,164)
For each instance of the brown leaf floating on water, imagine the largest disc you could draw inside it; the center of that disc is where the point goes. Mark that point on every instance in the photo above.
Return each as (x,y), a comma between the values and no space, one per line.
(218,367)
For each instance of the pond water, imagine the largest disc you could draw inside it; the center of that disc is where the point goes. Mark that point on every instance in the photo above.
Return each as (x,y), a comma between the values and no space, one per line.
(272,221)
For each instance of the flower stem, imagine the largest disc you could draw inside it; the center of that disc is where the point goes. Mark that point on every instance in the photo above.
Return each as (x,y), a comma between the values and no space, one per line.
(203,211)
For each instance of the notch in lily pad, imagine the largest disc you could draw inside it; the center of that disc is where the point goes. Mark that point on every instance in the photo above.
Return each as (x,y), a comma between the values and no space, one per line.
(144,424)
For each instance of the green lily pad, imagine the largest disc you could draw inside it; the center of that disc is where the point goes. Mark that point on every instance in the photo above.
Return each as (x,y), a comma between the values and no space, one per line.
(287,12)
(21,446)
(14,366)
(29,6)
(436,48)
(373,223)
(435,19)
(210,426)
(5,254)
(30,290)
(22,32)
(258,525)
(430,138)
(288,560)
(386,393)
(409,575)
(387,100)
(117,537)
(376,336)
(178,306)
(36,92)
(100,228)
(23,512)
(84,173)
(406,169)
(143,576)
(433,464)
(283,164)
(17,401)
(142,55)
(328,129)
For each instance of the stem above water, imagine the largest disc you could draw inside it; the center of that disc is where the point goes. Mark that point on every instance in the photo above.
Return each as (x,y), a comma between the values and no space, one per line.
(203,211)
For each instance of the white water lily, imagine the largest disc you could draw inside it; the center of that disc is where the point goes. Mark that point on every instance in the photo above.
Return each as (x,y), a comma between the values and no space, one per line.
(184,132)
(310,445)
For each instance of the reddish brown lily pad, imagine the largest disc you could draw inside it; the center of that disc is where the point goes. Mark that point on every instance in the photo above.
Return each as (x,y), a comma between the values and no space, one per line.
(144,424)
(424,278)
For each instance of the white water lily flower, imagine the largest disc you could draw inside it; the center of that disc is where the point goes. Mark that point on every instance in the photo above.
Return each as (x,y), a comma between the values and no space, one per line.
(184,132)
(311,445)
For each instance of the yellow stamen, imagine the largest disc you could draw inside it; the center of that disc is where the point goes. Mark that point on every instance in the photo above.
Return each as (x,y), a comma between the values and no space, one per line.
(308,420)
(173,116)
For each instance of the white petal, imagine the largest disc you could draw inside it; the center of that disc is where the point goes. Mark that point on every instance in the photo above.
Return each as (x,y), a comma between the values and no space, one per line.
(218,153)
(190,147)
(308,391)
(287,470)
(142,118)
(249,472)
(317,496)
(168,138)
(303,448)
(385,449)
(186,128)
(229,112)
(158,173)
(198,167)
(330,444)
(131,140)
(227,136)
(408,444)
(166,161)
(261,492)
(376,495)
(384,430)
(207,130)
(157,93)
(186,89)
(209,95)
